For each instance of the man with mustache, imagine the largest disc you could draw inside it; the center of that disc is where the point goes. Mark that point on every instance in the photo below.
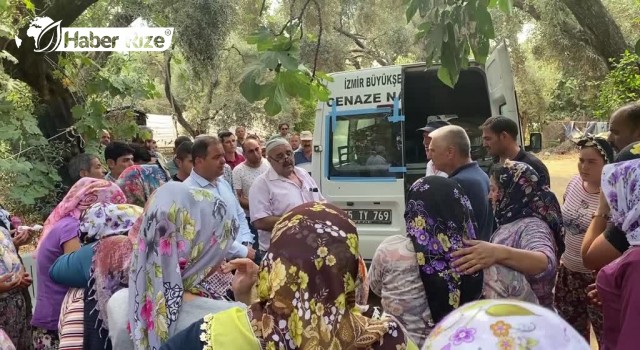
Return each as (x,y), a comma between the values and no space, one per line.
(282,188)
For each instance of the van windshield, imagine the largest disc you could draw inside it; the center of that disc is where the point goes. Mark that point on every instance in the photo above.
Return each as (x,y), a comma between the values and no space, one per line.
(366,145)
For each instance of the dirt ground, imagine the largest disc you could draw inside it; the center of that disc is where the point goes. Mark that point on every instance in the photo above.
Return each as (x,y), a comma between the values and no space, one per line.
(561,169)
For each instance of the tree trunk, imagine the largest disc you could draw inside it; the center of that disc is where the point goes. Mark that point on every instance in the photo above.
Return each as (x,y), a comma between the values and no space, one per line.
(594,17)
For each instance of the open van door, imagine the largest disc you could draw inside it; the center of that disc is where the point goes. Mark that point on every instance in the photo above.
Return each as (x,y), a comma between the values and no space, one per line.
(502,89)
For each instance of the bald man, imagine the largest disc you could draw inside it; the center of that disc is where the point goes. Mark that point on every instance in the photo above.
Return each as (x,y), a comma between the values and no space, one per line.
(624,126)
(450,151)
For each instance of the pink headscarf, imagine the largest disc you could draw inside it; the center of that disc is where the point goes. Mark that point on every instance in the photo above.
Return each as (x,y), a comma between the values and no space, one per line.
(81,196)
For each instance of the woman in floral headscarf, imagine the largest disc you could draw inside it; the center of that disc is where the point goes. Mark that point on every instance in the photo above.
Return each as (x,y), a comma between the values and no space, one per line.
(79,321)
(139,181)
(184,235)
(520,261)
(504,324)
(60,235)
(306,294)
(618,282)
(412,274)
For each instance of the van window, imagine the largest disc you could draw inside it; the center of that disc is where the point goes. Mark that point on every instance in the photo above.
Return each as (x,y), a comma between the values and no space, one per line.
(366,145)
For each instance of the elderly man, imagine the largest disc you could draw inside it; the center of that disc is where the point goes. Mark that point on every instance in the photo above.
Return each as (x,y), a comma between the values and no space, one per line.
(624,126)
(85,165)
(282,188)
(105,138)
(208,165)
(450,151)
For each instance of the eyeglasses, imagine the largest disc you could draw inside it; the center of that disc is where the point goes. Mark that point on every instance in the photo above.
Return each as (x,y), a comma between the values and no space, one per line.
(283,157)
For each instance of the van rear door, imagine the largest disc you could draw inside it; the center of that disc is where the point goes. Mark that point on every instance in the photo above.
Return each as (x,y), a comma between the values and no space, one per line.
(502,90)
(362,167)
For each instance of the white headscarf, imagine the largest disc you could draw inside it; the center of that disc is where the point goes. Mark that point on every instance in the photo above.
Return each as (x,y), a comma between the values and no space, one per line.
(503,324)
(621,186)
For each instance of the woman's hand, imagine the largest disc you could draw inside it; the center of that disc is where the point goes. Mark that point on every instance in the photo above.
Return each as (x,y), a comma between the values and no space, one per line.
(603,206)
(21,237)
(25,280)
(477,256)
(244,279)
(9,282)
(592,294)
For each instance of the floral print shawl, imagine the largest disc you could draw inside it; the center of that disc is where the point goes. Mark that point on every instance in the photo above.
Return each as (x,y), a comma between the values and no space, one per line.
(307,294)
(184,234)
(522,195)
(103,220)
(82,195)
(139,181)
(504,324)
(438,216)
(621,186)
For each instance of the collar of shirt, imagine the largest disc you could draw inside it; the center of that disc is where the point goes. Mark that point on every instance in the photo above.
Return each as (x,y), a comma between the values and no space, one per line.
(201,181)
(466,166)
(109,177)
(272,175)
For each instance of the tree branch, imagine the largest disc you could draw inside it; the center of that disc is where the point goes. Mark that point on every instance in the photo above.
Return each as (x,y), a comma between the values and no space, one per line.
(172,100)
(315,59)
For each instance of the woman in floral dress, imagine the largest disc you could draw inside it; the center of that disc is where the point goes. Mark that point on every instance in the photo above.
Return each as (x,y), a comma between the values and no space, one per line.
(412,274)
(306,295)
(521,260)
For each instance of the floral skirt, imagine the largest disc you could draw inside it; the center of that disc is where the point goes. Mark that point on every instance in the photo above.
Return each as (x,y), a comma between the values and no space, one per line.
(15,317)
(44,339)
(572,303)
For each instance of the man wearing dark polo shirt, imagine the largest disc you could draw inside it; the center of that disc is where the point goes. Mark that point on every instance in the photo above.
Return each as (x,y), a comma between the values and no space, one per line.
(499,137)
(450,151)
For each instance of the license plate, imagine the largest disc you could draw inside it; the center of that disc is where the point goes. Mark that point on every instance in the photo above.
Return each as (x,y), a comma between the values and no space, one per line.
(370,216)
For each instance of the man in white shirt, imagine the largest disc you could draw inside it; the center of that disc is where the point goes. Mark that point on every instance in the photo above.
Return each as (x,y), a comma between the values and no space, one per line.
(282,188)
(208,166)
(426,141)
(246,173)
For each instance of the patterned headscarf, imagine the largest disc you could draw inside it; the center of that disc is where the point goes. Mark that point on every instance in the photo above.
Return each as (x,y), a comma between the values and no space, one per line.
(600,144)
(184,234)
(103,220)
(621,186)
(139,181)
(438,217)
(307,294)
(504,324)
(81,196)
(523,196)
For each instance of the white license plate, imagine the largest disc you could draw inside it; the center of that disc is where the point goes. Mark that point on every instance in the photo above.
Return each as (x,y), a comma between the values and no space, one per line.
(370,216)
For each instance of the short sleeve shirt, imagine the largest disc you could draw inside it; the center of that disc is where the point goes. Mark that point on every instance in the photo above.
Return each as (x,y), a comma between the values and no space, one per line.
(244,176)
(274,195)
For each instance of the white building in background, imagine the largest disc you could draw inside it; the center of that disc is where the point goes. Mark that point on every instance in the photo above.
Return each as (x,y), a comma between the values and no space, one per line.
(164,128)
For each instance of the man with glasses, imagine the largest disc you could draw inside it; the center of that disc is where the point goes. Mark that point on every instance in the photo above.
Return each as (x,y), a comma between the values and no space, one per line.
(282,188)
(284,131)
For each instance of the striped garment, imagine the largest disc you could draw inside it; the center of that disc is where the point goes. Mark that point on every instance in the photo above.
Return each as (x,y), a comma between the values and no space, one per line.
(71,324)
(578,207)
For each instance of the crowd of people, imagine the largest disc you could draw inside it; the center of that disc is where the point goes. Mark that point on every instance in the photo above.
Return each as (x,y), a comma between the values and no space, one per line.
(231,245)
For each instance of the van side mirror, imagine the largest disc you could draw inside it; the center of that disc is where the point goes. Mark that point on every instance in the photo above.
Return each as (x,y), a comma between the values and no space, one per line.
(535,142)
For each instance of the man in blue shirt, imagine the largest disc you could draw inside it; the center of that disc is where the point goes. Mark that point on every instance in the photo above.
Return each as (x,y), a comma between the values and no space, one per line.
(450,151)
(208,165)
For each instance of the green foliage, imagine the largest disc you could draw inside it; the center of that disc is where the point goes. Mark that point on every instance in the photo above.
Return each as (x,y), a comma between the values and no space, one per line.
(277,72)
(621,86)
(572,99)
(453,30)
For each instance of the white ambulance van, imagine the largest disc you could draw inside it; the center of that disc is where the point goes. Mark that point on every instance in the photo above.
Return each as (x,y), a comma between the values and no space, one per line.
(367,151)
